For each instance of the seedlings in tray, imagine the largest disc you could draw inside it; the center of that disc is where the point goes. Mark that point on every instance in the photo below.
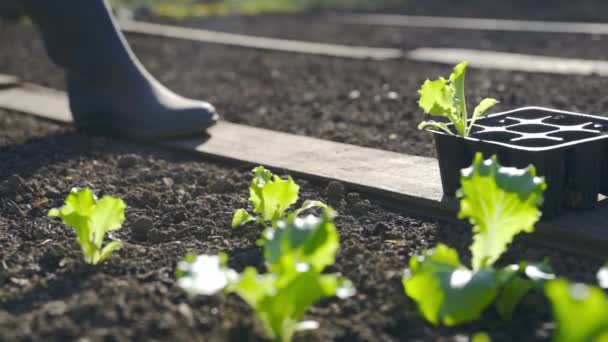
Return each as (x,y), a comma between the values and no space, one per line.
(92,219)
(500,202)
(446,98)
(580,311)
(271,197)
(297,250)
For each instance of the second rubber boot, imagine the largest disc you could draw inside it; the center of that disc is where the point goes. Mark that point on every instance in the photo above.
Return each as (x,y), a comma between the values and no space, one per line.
(110,92)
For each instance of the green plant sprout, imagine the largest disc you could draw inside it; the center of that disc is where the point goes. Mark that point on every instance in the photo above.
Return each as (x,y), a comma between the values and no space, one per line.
(446,98)
(92,219)
(271,197)
(580,311)
(296,253)
(500,202)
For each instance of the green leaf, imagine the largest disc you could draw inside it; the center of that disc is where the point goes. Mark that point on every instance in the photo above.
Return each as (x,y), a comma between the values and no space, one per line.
(280,305)
(580,311)
(447,292)
(308,204)
(241,217)
(500,202)
(107,214)
(447,98)
(279,195)
(309,242)
(270,195)
(107,251)
(261,176)
(481,108)
(516,282)
(431,124)
(437,97)
(481,337)
(457,80)
(91,219)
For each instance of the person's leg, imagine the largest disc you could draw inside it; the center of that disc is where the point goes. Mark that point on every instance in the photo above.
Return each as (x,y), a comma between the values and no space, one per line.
(110,91)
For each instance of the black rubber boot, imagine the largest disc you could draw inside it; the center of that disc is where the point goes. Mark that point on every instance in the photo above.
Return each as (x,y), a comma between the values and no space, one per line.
(110,91)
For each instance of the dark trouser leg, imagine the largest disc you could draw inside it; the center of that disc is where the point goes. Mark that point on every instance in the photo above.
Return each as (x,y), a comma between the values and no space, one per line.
(110,91)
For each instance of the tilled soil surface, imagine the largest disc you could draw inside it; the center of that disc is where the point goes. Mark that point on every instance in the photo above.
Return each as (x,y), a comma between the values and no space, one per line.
(359,102)
(178,204)
(324,28)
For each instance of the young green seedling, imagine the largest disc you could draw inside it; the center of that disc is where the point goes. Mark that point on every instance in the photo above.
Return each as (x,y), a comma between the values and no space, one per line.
(446,98)
(271,197)
(297,252)
(91,219)
(500,202)
(580,311)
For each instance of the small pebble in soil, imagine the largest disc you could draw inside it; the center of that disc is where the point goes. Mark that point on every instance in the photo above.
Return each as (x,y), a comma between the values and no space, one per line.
(354,94)
(168,181)
(392,95)
(55,308)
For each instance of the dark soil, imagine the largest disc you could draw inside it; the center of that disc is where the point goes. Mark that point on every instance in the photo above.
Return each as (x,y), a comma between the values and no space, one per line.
(359,102)
(178,204)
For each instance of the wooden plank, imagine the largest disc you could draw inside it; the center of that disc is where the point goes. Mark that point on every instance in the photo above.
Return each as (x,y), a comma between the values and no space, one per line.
(410,182)
(256,42)
(43,102)
(474,23)
(8,81)
(511,61)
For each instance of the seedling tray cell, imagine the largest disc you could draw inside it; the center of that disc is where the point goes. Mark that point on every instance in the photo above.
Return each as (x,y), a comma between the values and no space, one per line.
(568,149)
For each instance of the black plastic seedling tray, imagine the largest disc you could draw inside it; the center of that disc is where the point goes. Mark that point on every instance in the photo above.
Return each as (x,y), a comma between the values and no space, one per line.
(568,149)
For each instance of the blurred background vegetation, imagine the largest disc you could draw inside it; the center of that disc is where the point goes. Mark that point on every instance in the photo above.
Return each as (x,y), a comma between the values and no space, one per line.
(190,8)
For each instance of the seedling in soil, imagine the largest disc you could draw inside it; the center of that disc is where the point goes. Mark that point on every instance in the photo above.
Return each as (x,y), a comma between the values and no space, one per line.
(500,202)
(580,311)
(92,219)
(446,98)
(271,197)
(297,252)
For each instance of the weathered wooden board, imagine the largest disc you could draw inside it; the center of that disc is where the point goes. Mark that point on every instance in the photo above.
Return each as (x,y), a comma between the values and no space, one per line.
(8,81)
(511,61)
(42,102)
(474,23)
(409,182)
(216,37)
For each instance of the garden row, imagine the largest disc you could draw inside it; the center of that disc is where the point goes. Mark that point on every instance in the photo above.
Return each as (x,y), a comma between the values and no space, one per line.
(178,206)
(359,102)
(326,29)
(500,203)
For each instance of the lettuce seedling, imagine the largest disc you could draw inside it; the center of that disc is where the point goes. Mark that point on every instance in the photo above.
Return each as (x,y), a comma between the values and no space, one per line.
(270,197)
(311,241)
(580,311)
(446,98)
(91,219)
(297,252)
(500,202)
